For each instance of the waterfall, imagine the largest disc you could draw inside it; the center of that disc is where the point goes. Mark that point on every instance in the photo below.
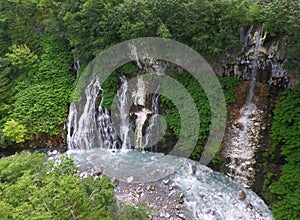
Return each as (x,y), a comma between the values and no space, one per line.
(123,111)
(153,130)
(90,127)
(82,131)
(71,125)
(140,93)
(140,100)
(140,121)
(244,136)
(107,132)
(207,194)
(76,68)
(254,66)
(93,127)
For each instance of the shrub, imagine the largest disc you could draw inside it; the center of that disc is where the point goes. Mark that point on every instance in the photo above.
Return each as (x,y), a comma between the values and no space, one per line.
(14,131)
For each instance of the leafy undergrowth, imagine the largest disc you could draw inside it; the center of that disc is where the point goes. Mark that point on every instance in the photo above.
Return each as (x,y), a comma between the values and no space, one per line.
(30,188)
(285,135)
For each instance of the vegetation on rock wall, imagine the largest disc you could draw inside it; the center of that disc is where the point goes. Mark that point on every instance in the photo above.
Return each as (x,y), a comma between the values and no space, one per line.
(43,92)
(285,134)
(193,87)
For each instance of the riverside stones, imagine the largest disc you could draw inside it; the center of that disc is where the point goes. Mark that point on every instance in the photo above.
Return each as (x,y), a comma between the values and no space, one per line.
(164,203)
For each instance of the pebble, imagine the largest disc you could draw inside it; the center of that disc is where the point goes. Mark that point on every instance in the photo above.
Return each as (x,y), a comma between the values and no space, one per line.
(151,187)
(242,195)
(97,171)
(194,169)
(130,179)
(180,200)
(153,173)
(202,194)
(166,182)
(180,215)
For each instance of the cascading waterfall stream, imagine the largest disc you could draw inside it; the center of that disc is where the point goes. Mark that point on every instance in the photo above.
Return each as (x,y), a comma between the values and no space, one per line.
(91,127)
(140,121)
(153,130)
(243,145)
(123,111)
(83,130)
(107,131)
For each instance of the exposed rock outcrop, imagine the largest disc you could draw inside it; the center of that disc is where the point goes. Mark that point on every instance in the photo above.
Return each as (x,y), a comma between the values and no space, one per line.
(272,57)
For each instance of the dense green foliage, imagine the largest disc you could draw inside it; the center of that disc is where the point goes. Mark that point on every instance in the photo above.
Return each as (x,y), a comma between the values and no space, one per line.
(285,133)
(42,96)
(33,189)
(5,88)
(193,87)
(210,27)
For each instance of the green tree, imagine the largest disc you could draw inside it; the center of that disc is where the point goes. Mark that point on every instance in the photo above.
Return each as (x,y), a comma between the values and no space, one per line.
(14,131)
(23,59)
(20,23)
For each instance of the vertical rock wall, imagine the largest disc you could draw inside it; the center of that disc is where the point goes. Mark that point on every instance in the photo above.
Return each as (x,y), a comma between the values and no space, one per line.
(272,58)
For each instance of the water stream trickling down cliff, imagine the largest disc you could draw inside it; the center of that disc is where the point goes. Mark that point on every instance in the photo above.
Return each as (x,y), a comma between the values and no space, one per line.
(244,137)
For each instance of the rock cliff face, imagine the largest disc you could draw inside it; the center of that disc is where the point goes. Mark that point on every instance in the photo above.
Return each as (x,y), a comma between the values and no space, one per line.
(271,62)
(261,66)
(242,161)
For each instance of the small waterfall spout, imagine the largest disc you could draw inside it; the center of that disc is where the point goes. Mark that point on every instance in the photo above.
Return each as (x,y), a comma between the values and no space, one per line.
(140,121)
(152,134)
(244,139)
(255,63)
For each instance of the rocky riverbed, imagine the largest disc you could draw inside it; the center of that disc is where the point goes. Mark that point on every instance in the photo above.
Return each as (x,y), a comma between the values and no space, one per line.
(165,199)
(176,188)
